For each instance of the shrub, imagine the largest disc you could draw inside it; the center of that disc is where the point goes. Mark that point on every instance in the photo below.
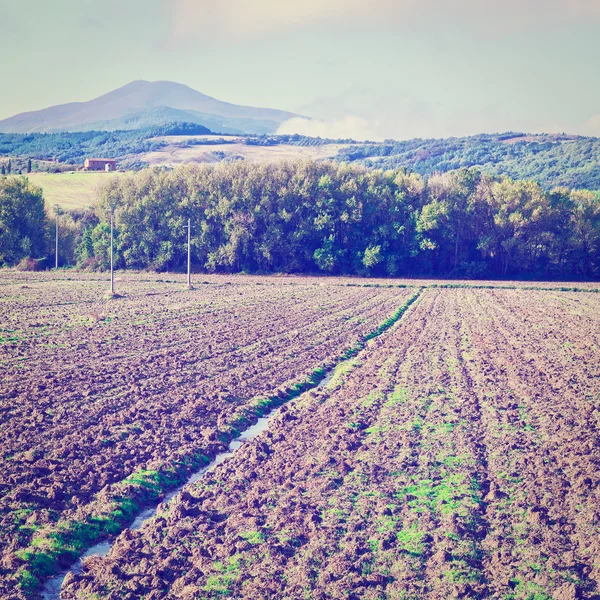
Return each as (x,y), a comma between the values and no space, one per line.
(30,264)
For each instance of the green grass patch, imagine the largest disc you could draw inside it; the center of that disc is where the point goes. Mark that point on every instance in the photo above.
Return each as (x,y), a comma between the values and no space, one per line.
(27,581)
(454,494)
(226,576)
(399,396)
(411,540)
(253,537)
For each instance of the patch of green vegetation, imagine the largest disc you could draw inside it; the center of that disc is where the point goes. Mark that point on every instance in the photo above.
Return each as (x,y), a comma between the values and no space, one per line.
(253,537)
(515,479)
(386,523)
(21,513)
(461,572)
(444,428)
(525,418)
(399,396)
(527,590)
(417,423)
(340,371)
(374,545)
(226,576)
(27,581)
(371,399)
(410,540)
(219,584)
(452,461)
(10,335)
(376,429)
(451,364)
(454,494)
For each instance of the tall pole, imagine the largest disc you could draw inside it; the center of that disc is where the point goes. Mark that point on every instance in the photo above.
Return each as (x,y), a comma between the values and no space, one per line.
(56,211)
(56,251)
(189,249)
(112,274)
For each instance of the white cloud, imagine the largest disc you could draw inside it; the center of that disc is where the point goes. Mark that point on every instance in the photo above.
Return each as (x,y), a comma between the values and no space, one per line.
(249,18)
(254,17)
(403,118)
(592,126)
(388,111)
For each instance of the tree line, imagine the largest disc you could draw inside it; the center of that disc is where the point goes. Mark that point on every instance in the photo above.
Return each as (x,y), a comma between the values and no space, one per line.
(328,217)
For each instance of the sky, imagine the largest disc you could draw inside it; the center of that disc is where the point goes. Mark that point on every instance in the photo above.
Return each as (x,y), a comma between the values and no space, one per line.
(368,69)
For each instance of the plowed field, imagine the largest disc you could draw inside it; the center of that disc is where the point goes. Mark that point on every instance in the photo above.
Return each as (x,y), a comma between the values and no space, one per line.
(456,455)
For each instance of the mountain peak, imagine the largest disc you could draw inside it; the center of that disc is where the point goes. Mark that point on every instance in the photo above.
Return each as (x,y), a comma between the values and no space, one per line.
(143,103)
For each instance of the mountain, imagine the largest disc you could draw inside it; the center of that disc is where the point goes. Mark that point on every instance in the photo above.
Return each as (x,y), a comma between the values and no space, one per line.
(143,104)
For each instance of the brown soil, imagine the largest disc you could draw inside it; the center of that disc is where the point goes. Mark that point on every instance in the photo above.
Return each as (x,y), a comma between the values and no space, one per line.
(457,457)
(95,391)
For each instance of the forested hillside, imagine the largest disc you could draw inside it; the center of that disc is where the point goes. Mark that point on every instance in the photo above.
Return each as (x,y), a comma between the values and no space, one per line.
(551,160)
(57,152)
(73,148)
(299,217)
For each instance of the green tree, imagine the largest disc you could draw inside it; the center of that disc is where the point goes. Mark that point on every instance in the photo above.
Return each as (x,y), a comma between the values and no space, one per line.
(447,219)
(22,220)
(338,218)
(586,233)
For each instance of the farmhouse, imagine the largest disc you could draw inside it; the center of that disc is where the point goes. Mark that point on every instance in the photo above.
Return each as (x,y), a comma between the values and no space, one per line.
(100,164)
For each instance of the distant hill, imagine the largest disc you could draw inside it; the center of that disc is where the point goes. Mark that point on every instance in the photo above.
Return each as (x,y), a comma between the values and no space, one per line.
(550,159)
(143,104)
(71,148)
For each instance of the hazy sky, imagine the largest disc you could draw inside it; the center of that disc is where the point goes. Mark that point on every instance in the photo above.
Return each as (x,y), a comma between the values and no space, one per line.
(376,68)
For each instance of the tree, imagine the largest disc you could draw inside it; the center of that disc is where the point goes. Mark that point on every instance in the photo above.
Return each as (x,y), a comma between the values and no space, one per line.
(22,220)
(447,219)
(372,257)
(3,170)
(586,233)
(9,166)
(326,257)
(339,218)
(29,166)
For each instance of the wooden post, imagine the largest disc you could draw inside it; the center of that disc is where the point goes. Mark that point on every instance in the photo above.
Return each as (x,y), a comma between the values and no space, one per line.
(189,258)
(56,212)
(112,274)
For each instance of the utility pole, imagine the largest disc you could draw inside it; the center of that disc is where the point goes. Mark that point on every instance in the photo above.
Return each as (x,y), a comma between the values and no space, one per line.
(189,252)
(112,274)
(56,213)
